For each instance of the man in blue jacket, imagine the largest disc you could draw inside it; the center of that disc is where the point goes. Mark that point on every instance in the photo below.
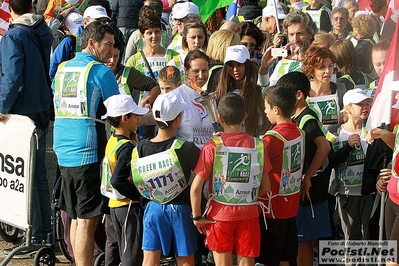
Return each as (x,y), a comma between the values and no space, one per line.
(25,56)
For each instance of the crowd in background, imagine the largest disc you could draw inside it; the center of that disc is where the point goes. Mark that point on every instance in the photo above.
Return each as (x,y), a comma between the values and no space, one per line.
(306,73)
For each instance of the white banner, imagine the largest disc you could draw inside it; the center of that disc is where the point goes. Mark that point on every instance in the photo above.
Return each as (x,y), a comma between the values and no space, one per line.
(354,252)
(15,153)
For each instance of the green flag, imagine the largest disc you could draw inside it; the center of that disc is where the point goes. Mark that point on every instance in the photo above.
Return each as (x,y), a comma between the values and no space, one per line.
(208,7)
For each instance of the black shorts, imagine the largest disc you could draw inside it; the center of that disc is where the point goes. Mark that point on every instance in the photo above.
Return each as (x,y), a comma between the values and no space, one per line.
(279,242)
(80,191)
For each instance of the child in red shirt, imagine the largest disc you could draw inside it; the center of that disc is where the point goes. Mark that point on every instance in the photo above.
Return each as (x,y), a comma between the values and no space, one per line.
(283,146)
(238,169)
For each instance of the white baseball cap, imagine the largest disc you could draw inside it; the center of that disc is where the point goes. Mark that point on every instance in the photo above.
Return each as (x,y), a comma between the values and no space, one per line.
(269,11)
(167,107)
(120,104)
(73,21)
(181,10)
(355,96)
(95,12)
(237,53)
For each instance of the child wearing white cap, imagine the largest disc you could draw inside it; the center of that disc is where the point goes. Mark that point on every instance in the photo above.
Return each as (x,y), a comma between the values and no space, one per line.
(161,169)
(125,209)
(348,159)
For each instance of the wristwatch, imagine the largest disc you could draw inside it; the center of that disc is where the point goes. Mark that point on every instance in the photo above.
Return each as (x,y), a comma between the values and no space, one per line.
(196,218)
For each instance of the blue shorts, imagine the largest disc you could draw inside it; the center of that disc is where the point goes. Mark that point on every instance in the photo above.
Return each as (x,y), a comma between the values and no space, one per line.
(169,224)
(313,227)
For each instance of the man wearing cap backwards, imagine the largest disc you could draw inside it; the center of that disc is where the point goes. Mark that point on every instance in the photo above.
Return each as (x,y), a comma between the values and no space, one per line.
(269,24)
(80,86)
(65,50)
(182,12)
(24,90)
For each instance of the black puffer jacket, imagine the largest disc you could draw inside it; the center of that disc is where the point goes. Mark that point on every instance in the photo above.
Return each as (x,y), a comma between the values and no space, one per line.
(126,12)
(250,12)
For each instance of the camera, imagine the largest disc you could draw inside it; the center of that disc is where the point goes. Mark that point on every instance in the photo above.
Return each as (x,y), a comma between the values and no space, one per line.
(280,52)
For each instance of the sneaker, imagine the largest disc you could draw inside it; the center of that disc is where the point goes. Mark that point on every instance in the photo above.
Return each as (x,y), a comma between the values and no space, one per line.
(17,243)
(210,261)
(24,253)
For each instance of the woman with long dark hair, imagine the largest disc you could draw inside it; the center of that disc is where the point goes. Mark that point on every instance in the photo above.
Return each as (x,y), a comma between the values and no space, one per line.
(240,75)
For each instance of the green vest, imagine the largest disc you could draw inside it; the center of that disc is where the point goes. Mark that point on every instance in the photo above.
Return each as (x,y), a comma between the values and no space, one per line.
(292,163)
(159,177)
(107,168)
(350,173)
(315,14)
(70,95)
(237,173)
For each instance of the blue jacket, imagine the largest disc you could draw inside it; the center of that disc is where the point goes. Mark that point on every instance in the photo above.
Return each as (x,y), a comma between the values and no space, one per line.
(62,53)
(24,88)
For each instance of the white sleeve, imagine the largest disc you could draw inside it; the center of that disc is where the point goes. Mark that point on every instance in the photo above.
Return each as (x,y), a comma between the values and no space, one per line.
(263,80)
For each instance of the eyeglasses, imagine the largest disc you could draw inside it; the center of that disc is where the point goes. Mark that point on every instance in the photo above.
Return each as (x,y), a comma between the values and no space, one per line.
(248,44)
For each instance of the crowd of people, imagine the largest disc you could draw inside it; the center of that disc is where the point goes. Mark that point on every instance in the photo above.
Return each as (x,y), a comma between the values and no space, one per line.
(128,84)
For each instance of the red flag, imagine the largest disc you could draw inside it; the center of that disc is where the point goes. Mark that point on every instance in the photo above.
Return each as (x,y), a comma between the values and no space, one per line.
(382,111)
(4,17)
(364,5)
(393,8)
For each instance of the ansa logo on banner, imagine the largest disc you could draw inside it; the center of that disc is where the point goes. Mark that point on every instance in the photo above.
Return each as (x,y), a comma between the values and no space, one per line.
(15,154)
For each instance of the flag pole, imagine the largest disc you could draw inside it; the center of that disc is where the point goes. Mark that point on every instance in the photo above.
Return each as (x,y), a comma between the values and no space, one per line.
(276,14)
(382,203)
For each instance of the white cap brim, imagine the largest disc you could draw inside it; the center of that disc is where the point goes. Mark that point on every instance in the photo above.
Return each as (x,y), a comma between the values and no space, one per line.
(140,111)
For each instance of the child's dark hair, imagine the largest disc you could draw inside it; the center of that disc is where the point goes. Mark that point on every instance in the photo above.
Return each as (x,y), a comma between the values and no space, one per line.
(169,73)
(114,121)
(295,81)
(162,125)
(249,91)
(20,7)
(231,108)
(281,97)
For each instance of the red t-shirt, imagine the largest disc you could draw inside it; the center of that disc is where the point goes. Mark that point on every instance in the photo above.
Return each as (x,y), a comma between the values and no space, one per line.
(282,207)
(393,190)
(204,168)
